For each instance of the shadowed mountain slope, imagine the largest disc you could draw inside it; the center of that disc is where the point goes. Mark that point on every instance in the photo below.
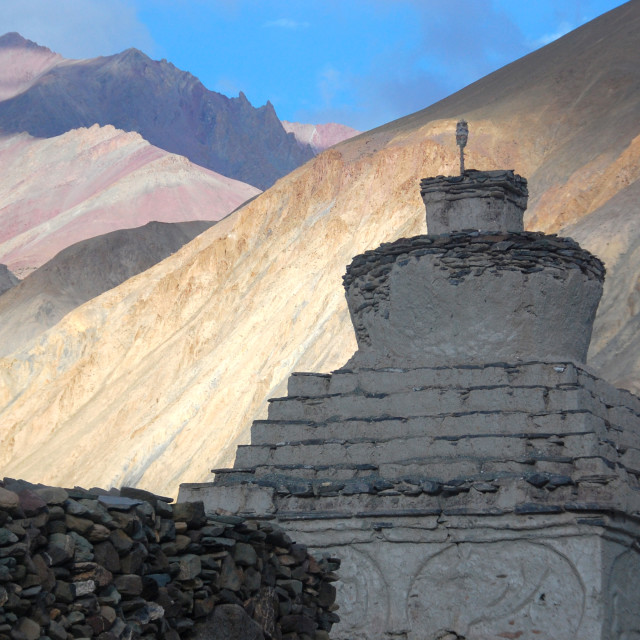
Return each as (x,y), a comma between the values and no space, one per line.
(161,377)
(7,279)
(83,271)
(170,108)
(87,182)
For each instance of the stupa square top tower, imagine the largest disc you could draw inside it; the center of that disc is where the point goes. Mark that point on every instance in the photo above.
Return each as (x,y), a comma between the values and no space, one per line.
(483,200)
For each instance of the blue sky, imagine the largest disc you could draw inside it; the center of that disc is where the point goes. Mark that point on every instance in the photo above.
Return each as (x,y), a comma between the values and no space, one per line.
(357,62)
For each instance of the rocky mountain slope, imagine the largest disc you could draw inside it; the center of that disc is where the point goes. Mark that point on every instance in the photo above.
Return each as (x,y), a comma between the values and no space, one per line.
(155,381)
(168,107)
(86,182)
(83,271)
(319,136)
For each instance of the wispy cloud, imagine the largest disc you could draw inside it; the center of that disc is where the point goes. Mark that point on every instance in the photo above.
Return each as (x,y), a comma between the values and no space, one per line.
(562,30)
(286,23)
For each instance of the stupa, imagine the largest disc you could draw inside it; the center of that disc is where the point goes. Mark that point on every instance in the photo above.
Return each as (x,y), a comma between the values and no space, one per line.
(475,478)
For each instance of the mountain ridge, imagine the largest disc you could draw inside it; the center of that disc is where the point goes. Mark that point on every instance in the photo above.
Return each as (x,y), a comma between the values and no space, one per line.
(170,108)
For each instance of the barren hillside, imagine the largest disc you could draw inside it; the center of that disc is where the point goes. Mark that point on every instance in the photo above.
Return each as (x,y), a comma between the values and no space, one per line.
(155,381)
(83,271)
(58,191)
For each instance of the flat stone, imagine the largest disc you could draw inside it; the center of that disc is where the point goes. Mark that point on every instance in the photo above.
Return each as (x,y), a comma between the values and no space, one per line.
(128,584)
(118,503)
(190,512)
(230,575)
(83,551)
(7,537)
(52,495)
(80,525)
(92,571)
(8,499)
(120,541)
(105,554)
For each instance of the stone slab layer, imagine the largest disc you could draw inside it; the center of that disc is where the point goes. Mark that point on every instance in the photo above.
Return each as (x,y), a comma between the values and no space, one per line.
(473,438)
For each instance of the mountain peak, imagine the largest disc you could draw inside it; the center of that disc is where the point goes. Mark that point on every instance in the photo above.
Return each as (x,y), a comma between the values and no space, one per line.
(13,40)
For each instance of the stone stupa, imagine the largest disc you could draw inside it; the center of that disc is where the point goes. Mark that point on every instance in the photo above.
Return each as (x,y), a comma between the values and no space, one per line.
(476,480)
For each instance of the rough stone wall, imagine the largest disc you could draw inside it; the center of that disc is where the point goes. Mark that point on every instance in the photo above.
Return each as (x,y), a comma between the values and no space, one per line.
(126,565)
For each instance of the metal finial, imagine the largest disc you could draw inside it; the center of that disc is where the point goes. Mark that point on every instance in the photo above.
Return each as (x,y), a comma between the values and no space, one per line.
(462,134)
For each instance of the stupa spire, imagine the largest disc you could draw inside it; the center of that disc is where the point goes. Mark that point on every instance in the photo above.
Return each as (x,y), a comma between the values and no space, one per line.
(462,135)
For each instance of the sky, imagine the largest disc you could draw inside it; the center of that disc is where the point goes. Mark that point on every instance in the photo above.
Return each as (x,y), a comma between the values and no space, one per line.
(357,62)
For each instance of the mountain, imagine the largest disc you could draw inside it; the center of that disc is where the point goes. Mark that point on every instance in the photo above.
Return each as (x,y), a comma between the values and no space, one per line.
(83,271)
(170,108)
(159,378)
(22,62)
(319,136)
(87,182)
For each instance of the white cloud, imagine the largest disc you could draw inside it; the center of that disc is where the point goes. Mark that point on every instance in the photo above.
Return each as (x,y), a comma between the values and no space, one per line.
(562,30)
(286,23)
(77,28)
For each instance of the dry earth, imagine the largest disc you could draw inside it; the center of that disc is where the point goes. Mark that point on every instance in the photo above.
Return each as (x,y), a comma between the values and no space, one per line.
(157,380)
(86,182)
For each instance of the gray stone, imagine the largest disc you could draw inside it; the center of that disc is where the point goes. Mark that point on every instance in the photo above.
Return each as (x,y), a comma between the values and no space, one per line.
(30,628)
(128,584)
(61,548)
(228,622)
(118,503)
(52,495)
(83,549)
(190,567)
(192,513)
(244,555)
(7,537)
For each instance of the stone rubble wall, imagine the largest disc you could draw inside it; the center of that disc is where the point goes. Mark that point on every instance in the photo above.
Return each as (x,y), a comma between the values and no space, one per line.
(128,564)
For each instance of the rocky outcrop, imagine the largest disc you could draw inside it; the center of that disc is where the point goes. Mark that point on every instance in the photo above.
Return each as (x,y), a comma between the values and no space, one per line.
(127,564)
(168,107)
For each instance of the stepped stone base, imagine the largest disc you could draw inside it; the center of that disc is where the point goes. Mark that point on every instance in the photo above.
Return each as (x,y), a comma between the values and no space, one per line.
(479,501)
